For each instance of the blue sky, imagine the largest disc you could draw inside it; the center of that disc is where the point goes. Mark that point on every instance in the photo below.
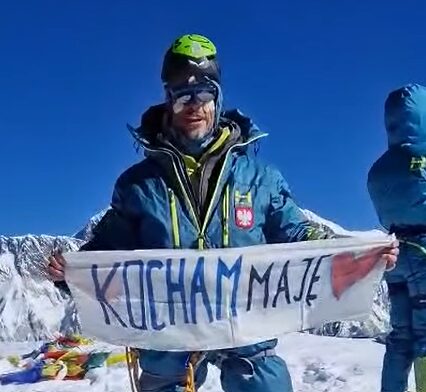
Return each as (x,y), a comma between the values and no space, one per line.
(314,74)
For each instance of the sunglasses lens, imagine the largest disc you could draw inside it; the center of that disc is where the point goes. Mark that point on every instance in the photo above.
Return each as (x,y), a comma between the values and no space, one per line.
(183,99)
(205,96)
(192,93)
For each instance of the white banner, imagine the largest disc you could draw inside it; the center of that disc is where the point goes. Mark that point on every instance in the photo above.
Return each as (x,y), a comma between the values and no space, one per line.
(188,300)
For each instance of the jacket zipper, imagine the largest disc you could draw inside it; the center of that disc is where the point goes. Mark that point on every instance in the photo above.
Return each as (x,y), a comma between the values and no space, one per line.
(174,218)
(201,226)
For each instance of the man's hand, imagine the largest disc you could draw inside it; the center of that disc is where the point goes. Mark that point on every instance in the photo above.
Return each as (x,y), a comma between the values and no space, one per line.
(390,255)
(347,269)
(57,267)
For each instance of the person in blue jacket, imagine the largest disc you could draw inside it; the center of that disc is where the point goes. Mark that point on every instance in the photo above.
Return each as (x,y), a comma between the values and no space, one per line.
(201,186)
(397,186)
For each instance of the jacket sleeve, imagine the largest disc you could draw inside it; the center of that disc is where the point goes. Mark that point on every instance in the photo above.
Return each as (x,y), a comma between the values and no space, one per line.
(117,230)
(285,221)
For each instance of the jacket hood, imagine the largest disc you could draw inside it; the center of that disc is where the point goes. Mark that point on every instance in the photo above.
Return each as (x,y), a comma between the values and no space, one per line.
(154,121)
(405,118)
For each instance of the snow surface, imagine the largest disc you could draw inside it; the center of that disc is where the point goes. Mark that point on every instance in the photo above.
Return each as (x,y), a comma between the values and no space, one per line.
(316,363)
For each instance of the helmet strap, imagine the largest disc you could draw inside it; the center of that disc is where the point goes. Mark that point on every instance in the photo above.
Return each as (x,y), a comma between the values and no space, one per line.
(218,103)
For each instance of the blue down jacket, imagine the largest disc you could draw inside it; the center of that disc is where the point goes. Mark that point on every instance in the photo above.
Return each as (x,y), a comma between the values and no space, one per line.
(397,180)
(248,203)
(397,186)
(240,202)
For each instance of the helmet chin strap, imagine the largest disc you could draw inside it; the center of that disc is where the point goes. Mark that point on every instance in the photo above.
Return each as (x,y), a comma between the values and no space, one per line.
(218,104)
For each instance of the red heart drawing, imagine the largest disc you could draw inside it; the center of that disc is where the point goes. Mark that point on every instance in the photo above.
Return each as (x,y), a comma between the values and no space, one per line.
(346,269)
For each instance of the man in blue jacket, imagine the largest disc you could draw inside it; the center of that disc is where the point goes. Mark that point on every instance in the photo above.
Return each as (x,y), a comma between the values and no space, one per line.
(397,186)
(201,186)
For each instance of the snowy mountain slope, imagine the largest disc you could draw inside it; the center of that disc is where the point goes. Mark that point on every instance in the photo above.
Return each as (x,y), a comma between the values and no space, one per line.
(32,308)
(316,363)
(339,229)
(87,231)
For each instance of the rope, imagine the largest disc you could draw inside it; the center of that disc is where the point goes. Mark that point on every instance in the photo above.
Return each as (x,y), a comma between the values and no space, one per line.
(133,368)
(190,379)
(190,373)
(415,245)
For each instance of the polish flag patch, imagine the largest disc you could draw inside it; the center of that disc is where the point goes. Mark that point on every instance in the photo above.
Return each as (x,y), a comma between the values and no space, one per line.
(244,217)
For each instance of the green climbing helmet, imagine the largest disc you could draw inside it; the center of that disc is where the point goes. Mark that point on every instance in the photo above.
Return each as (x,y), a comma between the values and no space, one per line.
(190,55)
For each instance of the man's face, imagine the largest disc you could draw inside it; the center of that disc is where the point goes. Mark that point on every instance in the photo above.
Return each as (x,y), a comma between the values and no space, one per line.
(193,107)
(194,119)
